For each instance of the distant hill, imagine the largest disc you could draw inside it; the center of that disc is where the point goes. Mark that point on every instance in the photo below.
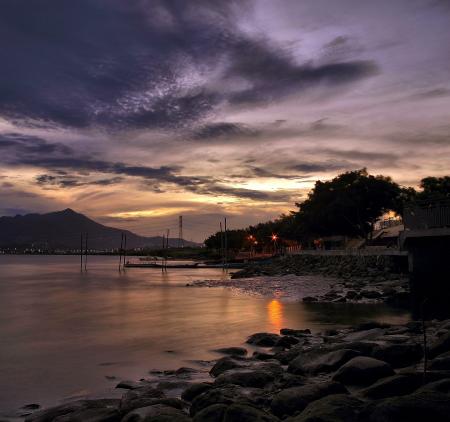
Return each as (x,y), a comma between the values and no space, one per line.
(62,229)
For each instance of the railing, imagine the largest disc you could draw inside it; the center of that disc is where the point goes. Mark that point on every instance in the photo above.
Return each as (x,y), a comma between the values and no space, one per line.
(427,216)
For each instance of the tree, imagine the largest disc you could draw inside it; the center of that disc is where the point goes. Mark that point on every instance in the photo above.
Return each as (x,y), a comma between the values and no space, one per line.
(348,205)
(434,189)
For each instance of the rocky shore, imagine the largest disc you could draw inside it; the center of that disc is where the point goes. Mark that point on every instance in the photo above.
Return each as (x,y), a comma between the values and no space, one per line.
(371,372)
(361,278)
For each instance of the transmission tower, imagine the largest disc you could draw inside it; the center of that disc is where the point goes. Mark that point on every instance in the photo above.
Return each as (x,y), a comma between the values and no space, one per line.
(180,232)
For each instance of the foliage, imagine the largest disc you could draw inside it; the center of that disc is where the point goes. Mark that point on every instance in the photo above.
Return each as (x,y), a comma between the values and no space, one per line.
(434,189)
(348,205)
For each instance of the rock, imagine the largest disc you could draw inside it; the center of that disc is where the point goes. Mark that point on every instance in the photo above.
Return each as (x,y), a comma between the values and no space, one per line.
(232,351)
(369,325)
(90,415)
(399,355)
(371,334)
(310,299)
(263,339)
(370,294)
(333,408)
(224,364)
(441,386)
(194,390)
(129,385)
(423,406)
(262,356)
(246,378)
(100,407)
(364,347)
(315,362)
(245,413)
(441,362)
(140,397)
(185,371)
(226,394)
(292,400)
(156,413)
(31,406)
(286,342)
(396,385)
(172,385)
(363,370)
(215,412)
(439,346)
(130,405)
(351,294)
(295,333)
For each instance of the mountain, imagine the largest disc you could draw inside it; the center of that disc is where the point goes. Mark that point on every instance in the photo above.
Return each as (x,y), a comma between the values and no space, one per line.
(62,230)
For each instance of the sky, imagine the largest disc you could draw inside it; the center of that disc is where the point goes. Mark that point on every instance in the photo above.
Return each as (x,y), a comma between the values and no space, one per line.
(135,112)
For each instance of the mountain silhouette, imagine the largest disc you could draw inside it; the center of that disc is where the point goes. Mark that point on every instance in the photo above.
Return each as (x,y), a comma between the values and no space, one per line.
(62,230)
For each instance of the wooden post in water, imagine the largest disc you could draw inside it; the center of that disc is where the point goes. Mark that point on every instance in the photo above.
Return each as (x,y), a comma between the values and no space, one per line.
(221,246)
(225,244)
(167,248)
(85,252)
(81,252)
(163,252)
(120,251)
(124,251)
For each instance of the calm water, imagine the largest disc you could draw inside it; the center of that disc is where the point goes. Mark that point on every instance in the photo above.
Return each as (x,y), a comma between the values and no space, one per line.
(63,332)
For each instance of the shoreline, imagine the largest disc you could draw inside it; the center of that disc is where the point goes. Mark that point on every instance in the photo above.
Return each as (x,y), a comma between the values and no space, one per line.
(357,373)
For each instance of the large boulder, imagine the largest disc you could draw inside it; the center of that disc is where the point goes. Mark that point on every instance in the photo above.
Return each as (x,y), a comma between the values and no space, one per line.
(333,408)
(194,390)
(420,406)
(295,399)
(140,397)
(224,364)
(246,378)
(156,413)
(399,355)
(363,370)
(441,362)
(215,412)
(92,409)
(439,346)
(245,413)
(263,339)
(396,385)
(295,333)
(441,386)
(315,362)
(232,351)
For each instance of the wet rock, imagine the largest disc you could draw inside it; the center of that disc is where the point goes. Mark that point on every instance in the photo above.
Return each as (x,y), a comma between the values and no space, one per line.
(90,415)
(441,362)
(226,394)
(31,406)
(310,299)
(172,385)
(371,334)
(364,347)
(129,405)
(292,400)
(140,397)
(224,364)
(263,339)
(424,406)
(100,407)
(333,408)
(246,413)
(185,371)
(156,413)
(286,342)
(129,385)
(363,370)
(262,356)
(439,346)
(369,325)
(315,362)
(441,386)
(215,412)
(295,333)
(370,294)
(351,294)
(194,390)
(396,385)
(399,355)
(232,351)
(246,378)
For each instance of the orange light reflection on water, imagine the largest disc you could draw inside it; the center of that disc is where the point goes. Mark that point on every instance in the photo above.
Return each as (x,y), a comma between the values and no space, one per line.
(275,313)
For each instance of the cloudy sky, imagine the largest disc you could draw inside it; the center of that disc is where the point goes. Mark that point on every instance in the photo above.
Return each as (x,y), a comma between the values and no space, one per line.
(137,111)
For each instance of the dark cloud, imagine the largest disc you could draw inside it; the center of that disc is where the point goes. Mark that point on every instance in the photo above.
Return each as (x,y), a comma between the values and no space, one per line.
(67,181)
(432,93)
(223,130)
(325,166)
(141,63)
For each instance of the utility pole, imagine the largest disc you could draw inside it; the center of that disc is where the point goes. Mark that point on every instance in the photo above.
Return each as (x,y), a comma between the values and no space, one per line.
(180,232)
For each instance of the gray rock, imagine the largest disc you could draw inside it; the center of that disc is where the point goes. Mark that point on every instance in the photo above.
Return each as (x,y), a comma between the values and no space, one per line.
(315,362)
(441,386)
(246,378)
(396,385)
(295,333)
(423,406)
(399,355)
(363,370)
(232,351)
(333,408)
(140,397)
(286,342)
(194,390)
(293,400)
(215,412)
(129,405)
(439,346)
(263,356)
(263,339)
(364,335)
(156,413)
(441,362)
(245,413)
(224,364)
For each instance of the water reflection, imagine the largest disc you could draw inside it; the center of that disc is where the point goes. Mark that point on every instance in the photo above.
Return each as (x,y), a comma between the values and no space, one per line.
(275,312)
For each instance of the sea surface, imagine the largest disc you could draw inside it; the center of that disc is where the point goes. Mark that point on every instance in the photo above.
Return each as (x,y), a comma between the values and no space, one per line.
(67,334)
